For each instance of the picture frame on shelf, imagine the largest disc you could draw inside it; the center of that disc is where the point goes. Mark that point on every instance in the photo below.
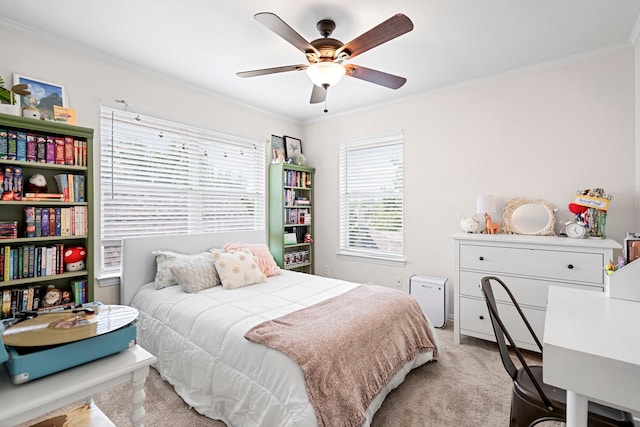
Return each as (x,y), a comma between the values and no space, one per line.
(44,96)
(293,146)
(278,153)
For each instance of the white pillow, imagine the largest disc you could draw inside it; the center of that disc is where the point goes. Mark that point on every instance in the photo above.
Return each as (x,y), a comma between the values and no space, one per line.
(167,259)
(237,269)
(195,276)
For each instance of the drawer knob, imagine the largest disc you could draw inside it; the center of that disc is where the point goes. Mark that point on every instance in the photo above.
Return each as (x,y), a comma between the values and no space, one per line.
(481,317)
(481,258)
(570,266)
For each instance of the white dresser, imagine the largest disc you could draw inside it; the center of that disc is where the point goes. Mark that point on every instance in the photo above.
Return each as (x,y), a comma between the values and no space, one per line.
(528,265)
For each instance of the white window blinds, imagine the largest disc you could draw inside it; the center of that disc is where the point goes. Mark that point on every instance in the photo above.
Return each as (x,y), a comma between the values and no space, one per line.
(371,197)
(159,177)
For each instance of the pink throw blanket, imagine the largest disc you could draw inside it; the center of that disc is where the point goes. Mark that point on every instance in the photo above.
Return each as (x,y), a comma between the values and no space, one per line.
(349,347)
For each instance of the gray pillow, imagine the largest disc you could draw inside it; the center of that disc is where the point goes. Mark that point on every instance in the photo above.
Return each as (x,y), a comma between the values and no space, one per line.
(195,276)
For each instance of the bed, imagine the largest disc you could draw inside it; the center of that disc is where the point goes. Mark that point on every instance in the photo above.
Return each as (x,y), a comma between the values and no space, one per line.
(199,338)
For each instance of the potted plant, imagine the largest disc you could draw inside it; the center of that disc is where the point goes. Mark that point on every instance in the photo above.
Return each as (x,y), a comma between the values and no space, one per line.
(8,100)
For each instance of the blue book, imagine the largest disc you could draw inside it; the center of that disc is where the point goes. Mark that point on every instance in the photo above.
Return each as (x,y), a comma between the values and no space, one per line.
(58,222)
(21,147)
(4,145)
(45,222)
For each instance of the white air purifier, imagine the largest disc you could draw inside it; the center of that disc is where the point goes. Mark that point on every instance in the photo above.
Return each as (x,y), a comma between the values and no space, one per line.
(432,296)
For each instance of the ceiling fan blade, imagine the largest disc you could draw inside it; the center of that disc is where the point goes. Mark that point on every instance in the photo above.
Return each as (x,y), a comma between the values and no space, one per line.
(393,27)
(374,76)
(281,28)
(318,95)
(264,71)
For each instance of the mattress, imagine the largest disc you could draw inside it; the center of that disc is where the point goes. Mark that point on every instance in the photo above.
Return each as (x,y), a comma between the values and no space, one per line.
(201,350)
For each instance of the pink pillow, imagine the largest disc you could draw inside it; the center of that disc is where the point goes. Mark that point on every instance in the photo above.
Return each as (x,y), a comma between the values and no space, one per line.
(266,262)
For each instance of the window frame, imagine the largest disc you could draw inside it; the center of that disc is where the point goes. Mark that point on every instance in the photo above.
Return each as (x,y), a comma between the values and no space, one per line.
(247,195)
(345,251)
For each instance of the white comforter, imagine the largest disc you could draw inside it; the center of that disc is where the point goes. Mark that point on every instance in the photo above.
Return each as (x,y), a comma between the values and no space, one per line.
(201,350)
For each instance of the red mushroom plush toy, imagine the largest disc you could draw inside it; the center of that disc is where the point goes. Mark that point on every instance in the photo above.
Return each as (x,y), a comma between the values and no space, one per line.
(74,258)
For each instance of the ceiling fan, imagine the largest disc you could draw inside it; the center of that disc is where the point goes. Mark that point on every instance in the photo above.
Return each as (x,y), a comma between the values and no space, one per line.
(327,56)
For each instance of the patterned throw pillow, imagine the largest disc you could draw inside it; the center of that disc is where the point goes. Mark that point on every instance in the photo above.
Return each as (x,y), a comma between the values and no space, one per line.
(237,269)
(167,259)
(195,276)
(265,260)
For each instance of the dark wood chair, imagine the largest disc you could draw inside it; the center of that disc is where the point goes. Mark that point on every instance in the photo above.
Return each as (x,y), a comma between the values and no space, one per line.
(533,401)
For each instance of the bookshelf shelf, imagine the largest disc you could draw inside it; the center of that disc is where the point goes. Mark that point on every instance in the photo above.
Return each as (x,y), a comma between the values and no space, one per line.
(291,214)
(21,256)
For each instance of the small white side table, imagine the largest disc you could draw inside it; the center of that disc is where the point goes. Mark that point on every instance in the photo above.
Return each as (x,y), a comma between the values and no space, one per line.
(23,402)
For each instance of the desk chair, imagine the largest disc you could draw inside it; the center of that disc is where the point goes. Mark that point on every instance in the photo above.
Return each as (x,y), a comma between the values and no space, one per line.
(533,401)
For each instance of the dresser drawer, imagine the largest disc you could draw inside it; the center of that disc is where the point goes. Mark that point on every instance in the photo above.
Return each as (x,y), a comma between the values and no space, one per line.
(475,321)
(560,265)
(526,291)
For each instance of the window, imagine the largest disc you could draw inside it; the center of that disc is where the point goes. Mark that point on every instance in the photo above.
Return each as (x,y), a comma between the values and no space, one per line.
(371,199)
(159,177)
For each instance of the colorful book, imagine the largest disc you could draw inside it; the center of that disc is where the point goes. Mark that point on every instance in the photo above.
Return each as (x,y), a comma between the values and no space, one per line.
(68,150)
(41,149)
(59,151)
(12,144)
(30,221)
(50,154)
(17,183)
(4,145)
(32,147)
(21,146)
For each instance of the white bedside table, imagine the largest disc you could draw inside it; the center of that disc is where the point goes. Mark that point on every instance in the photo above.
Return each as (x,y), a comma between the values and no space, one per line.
(23,402)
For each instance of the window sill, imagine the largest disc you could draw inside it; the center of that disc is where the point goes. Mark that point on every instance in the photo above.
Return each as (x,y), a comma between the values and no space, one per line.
(108,280)
(396,261)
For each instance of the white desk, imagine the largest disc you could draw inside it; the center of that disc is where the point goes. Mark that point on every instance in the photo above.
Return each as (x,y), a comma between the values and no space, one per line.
(592,349)
(23,402)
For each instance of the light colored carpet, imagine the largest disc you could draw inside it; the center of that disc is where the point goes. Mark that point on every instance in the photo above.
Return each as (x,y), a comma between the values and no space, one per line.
(468,386)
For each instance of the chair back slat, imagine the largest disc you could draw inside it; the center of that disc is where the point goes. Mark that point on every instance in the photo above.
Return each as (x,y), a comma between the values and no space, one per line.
(501,333)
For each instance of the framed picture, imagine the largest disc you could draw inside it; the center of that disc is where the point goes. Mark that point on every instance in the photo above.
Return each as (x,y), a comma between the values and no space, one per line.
(277,149)
(43,96)
(292,146)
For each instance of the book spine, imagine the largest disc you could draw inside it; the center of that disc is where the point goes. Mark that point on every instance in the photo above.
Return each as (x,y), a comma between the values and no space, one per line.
(7,187)
(38,217)
(31,147)
(59,151)
(21,146)
(4,144)
(30,221)
(12,145)
(17,183)
(58,226)
(68,150)
(50,154)
(32,259)
(52,222)
(45,222)
(41,149)
(37,291)
(6,303)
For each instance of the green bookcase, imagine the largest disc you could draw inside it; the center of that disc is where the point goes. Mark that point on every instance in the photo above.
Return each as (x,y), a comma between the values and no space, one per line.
(291,216)
(76,233)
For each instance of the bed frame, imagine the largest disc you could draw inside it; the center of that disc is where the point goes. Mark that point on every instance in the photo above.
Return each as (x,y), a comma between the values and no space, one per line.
(139,264)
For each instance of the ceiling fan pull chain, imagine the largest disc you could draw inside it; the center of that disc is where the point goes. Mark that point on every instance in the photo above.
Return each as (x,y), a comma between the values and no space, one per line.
(326,92)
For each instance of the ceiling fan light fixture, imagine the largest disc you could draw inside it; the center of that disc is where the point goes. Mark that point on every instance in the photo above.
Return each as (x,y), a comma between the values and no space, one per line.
(325,73)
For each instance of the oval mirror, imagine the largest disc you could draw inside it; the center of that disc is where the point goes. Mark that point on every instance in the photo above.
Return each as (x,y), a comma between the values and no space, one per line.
(531,217)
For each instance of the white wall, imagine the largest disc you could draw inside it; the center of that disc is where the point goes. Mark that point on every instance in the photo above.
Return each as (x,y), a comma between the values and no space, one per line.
(90,82)
(543,134)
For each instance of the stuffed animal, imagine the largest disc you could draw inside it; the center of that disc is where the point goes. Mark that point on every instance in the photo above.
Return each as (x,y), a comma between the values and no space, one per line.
(308,238)
(37,184)
(74,258)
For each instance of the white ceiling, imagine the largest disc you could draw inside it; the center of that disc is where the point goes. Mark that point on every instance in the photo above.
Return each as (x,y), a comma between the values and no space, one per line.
(205,42)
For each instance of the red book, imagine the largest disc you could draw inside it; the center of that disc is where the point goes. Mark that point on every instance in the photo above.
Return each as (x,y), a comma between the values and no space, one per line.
(59,151)
(50,154)
(68,150)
